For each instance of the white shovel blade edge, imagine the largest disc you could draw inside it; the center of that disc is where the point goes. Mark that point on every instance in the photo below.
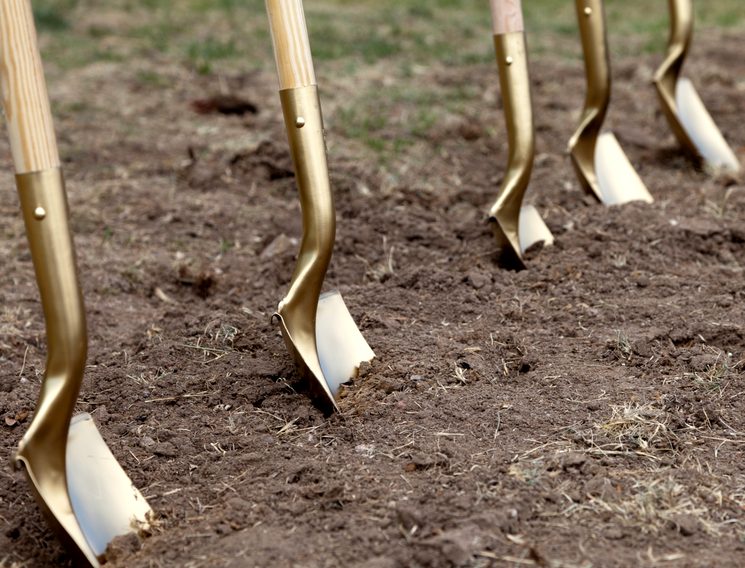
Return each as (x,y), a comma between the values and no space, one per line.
(341,347)
(532,229)
(105,502)
(618,181)
(701,128)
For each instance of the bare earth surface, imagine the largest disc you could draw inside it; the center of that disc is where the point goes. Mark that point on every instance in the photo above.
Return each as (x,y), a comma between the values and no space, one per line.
(588,411)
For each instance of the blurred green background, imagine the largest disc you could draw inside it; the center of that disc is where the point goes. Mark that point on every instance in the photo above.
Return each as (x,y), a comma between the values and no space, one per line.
(359,47)
(211,35)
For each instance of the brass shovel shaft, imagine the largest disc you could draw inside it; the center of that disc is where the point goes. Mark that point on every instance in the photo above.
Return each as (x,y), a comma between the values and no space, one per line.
(690,121)
(102,492)
(298,309)
(44,205)
(43,446)
(318,329)
(304,125)
(514,79)
(667,76)
(591,18)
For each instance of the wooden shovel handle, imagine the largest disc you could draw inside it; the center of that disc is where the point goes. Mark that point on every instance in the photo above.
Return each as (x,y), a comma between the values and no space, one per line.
(291,45)
(507,16)
(24,91)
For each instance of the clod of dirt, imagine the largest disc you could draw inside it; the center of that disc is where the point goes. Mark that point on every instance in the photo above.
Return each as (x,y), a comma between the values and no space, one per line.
(267,162)
(203,283)
(122,547)
(687,525)
(702,363)
(478,279)
(458,546)
(166,450)
(408,518)
(224,104)
(279,246)
(573,460)
(470,130)
(423,462)
(600,487)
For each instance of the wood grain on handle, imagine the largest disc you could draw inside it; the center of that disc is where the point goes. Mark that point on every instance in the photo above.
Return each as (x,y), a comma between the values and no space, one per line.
(507,16)
(291,45)
(24,91)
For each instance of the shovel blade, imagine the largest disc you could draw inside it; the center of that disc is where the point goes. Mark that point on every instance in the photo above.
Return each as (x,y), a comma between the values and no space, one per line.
(532,229)
(340,345)
(701,128)
(105,502)
(617,179)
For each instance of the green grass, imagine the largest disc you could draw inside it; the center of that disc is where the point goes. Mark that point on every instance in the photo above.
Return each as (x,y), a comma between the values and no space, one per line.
(349,38)
(210,34)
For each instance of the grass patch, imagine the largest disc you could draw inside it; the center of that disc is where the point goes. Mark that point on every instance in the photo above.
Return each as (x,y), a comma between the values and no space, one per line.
(235,32)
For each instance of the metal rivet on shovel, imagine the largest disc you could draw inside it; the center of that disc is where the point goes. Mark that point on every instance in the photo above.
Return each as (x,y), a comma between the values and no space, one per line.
(318,329)
(691,123)
(84,493)
(516,227)
(601,165)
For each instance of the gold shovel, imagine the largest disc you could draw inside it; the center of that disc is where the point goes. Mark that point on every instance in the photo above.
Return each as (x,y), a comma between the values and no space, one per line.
(602,167)
(517,227)
(318,329)
(83,491)
(685,111)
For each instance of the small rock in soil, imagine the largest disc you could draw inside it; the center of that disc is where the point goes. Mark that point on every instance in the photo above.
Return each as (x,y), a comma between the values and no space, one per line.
(166,450)
(478,279)
(147,442)
(408,518)
(702,363)
(573,460)
(687,525)
(642,348)
(279,246)
(614,533)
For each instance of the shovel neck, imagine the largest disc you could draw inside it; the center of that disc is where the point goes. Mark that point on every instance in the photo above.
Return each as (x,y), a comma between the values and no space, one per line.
(44,206)
(681,23)
(43,449)
(304,123)
(678,46)
(302,112)
(514,80)
(591,19)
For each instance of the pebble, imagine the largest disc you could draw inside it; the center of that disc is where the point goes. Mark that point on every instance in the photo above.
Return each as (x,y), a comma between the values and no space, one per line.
(478,279)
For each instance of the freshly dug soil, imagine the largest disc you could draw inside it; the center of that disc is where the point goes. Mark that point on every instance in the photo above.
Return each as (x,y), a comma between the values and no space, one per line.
(587,411)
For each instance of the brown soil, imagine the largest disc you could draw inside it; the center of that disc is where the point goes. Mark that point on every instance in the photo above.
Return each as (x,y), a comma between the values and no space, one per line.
(587,411)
